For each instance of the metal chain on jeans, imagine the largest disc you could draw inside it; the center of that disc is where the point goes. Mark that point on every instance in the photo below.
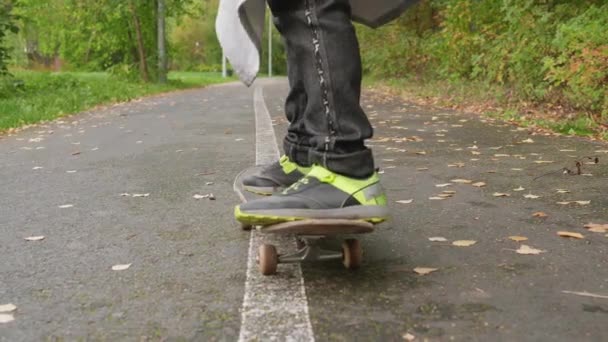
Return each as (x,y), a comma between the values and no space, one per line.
(321,73)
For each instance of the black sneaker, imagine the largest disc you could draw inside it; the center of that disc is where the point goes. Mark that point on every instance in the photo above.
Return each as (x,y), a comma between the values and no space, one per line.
(275,177)
(321,194)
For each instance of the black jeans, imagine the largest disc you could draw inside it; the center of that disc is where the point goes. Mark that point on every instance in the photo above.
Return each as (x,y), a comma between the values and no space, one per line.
(327,124)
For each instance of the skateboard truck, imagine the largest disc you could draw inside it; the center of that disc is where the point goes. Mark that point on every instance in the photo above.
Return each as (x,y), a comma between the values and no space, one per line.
(309,251)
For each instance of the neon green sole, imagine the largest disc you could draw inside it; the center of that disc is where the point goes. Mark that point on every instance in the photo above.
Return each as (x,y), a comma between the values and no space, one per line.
(267,220)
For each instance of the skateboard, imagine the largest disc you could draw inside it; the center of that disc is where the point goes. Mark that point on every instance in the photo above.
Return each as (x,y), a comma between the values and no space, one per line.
(308,234)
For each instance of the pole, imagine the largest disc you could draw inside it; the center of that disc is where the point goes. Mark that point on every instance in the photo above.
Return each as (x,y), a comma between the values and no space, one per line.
(270,45)
(162,49)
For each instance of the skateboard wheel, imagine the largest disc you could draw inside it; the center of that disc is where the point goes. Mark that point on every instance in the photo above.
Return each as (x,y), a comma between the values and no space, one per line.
(246,227)
(268,259)
(351,254)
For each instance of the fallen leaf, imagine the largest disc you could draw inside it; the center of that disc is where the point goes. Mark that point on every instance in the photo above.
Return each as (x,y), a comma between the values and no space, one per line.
(409,337)
(528,141)
(479,184)
(582,202)
(586,294)
(571,235)
(438,239)
(422,169)
(6,318)
(539,214)
(451,192)
(121,267)
(209,183)
(34,238)
(519,189)
(531,196)
(65,206)
(76,153)
(564,203)
(518,238)
(597,228)
(71,171)
(544,161)
(436,198)
(525,249)
(443,185)
(461,181)
(8,307)
(424,270)
(197,196)
(445,195)
(37,168)
(422,153)
(141,195)
(405,201)
(500,194)
(464,243)
(562,191)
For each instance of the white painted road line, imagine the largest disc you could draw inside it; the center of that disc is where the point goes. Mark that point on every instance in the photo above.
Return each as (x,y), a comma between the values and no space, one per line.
(275,308)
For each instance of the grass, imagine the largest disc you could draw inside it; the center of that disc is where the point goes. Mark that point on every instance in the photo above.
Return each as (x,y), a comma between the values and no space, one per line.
(495,102)
(33,97)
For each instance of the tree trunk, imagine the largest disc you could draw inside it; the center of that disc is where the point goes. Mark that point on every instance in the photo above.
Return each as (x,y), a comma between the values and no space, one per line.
(143,65)
(162,51)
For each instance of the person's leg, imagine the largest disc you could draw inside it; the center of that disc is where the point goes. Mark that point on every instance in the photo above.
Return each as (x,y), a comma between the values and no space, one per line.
(327,125)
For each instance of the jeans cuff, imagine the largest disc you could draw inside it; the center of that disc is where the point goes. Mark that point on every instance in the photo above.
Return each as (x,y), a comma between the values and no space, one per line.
(359,164)
(296,153)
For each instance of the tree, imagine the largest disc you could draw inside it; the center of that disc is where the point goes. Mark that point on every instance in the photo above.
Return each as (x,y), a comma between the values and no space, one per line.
(7,25)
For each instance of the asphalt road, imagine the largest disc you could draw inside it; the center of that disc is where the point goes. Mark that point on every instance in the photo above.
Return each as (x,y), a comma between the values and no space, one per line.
(67,181)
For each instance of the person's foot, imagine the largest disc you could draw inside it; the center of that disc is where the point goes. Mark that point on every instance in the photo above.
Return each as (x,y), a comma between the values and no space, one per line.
(275,177)
(321,194)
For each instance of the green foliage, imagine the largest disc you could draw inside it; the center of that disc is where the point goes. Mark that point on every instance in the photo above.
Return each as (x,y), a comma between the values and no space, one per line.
(7,26)
(552,51)
(45,96)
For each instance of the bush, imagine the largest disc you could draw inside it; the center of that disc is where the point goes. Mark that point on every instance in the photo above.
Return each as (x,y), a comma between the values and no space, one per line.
(545,51)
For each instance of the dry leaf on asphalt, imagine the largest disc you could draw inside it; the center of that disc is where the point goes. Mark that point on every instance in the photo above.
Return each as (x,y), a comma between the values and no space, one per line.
(197,196)
(500,194)
(543,161)
(438,239)
(562,191)
(582,202)
(531,196)
(6,318)
(571,235)
(451,192)
(539,214)
(461,181)
(525,249)
(443,185)
(464,243)
(424,270)
(519,189)
(586,294)
(518,238)
(405,201)
(409,337)
(65,206)
(436,198)
(141,195)
(479,184)
(121,267)
(8,307)
(597,228)
(34,238)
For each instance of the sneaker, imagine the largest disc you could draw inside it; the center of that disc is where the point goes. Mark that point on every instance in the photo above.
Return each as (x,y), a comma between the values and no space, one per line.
(321,194)
(275,177)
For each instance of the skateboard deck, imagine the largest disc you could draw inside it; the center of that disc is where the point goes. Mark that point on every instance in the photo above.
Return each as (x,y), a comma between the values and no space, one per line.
(324,227)
(307,233)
